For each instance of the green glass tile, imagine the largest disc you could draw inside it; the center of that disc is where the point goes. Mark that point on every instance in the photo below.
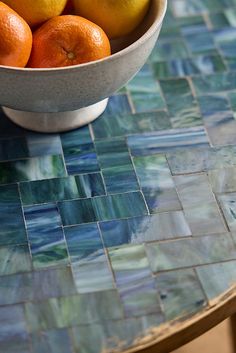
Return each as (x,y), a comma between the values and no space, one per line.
(104,127)
(12,229)
(14,259)
(156,182)
(113,334)
(218,20)
(228,205)
(180,100)
(11,149)
(201,211)
(223,180)
(77,211)
(12,324)
(52,341)
(180,293)
(36,285)
(60,189)
(217,278)
(134,280)
(191,252)
(232,98)
(116,165)
(167,50)
(217,82)
(200,43)
(75,310)
(231,17)
(32,169)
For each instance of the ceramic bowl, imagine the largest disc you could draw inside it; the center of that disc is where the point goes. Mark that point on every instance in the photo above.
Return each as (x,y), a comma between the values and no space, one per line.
(60,99)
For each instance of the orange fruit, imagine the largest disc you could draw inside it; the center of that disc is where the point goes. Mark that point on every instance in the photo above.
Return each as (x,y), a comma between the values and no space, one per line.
(68,40)
(36,12)
(15,38)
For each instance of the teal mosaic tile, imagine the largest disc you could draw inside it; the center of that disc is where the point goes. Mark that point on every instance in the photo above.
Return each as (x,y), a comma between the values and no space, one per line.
(223,180)
(165,225)
(12,230)
(52,341)
(191,252)
(217,82)
(79,152)
(217,278)
(120,125)
(43,145)
(200,43)
(156,182)
(59,189)
(228,205)
(134,281)
(102,208)
(46,238)
(201,211)
(81,309)
(175,288)
(32,169)
(13,149)
(14,259)
(118,105)
(167,50)
(116,166)
(113,334)
(23,287)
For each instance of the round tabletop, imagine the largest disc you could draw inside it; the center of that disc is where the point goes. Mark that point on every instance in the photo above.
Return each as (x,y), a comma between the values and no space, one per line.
(122,235)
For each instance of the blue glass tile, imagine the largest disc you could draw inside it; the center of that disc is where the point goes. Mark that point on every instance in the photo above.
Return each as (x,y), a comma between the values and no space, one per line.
(43,145)
(118,104)
(51,341)
(84,242)
(32,169)
(14,259)
(12,230)
(116,165)
(166,225)
(167,50)
(166,141)
(199,43)
(11,149)
(59,189)
(102,208)
(46,238)
(217,82)
(157,184)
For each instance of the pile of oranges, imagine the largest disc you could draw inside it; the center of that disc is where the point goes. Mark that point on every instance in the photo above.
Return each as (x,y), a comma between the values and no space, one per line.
(48,36)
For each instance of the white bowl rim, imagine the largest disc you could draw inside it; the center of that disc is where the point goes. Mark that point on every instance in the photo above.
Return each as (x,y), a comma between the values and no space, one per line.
(133,46)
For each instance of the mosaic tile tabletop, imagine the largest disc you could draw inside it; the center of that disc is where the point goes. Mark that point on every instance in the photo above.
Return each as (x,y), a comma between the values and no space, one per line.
(112,230)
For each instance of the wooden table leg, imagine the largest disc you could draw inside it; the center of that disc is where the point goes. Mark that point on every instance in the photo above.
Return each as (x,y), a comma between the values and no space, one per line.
(233,331)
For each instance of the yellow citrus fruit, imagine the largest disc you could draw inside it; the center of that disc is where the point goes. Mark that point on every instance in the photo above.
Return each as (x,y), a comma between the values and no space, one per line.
(35,12)
(116,17)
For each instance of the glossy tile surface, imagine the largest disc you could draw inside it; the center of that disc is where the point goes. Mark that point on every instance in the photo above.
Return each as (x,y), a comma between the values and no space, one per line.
(110,231)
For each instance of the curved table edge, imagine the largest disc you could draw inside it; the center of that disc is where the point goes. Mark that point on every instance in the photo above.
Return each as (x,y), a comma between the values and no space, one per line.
(168,337)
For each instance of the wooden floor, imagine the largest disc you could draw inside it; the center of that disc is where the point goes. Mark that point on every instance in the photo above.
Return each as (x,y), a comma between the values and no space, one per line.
(218,340)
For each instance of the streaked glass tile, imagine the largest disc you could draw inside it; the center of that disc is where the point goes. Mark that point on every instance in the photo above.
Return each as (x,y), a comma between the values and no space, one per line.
(16,346)
(217,82)
(223,180)
(201,211)
(14,259)
(200,43)
(12,230)
(118,104)
(32,169)
(46,238)
(167,50)
(51,341)
(120,125)
(43,145)
(191,252)
(167,141)
(11,149)
(12,324)
(157,184)
(165,225)
(116,165)
(217,278)
(36,285)
(180,293)
(82,309)
(79,152)
(134,280)
(112,334)
(102,208)
(228,205)
(60,189)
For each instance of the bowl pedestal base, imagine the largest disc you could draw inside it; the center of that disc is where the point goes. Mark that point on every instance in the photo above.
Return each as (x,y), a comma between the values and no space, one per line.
(56,122)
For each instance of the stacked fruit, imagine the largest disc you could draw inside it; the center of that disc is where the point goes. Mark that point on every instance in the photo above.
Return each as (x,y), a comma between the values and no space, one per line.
(56,33)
